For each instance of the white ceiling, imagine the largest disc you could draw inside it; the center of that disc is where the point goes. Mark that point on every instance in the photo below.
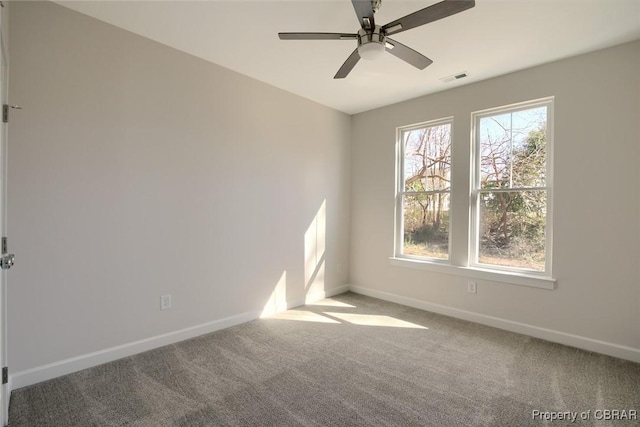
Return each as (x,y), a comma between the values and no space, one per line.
(493,38)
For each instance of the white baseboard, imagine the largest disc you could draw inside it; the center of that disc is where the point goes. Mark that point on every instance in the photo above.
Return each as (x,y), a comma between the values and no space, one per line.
(74,364)
(603,347)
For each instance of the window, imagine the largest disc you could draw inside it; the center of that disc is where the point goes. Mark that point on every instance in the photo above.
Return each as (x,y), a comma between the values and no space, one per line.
(423,196)
(511,188)
(501,228)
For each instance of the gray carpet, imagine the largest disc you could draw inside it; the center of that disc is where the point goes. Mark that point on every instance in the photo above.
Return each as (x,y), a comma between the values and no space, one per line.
(358,361)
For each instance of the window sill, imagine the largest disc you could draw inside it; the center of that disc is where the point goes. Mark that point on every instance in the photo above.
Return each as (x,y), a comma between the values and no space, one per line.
(543,282)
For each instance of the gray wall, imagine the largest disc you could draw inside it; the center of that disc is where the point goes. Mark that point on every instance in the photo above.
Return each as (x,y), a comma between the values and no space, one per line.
(137,170)
(596,249)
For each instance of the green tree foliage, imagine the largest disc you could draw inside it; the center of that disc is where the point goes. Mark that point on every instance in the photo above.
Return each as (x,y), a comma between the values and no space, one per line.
(513,222)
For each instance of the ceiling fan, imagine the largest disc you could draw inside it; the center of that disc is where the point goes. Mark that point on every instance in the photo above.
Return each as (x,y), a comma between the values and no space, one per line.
(373,39)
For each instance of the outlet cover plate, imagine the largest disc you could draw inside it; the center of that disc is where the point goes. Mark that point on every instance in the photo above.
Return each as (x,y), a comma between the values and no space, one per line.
(165,302)
(472,287)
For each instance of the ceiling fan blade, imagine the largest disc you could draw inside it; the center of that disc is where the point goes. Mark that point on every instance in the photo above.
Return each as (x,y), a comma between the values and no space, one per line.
(428,14)
(348,65)
(364,12)
(317,36)
(407,54)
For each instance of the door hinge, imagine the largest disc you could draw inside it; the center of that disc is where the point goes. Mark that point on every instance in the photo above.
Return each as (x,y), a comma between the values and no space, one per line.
(5,375)
(5,111)
(5,248)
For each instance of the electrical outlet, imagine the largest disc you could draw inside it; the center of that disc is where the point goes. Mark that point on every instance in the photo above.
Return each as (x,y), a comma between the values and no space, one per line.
(165,302)
(472,287)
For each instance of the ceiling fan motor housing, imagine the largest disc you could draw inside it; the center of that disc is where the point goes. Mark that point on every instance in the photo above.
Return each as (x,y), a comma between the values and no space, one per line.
(371,44)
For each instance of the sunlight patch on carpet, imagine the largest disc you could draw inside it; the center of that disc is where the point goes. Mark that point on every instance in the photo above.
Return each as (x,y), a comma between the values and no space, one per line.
(328,302)
(303,316)
(375,320)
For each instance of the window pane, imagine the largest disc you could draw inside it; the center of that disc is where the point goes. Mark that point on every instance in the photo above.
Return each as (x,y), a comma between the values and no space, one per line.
(512,229)
(426,225)
(494,151)
(513,149)
(427,158)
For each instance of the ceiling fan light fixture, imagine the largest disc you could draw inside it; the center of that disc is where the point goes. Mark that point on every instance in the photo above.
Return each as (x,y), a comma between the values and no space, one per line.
(371,50)
(371,44)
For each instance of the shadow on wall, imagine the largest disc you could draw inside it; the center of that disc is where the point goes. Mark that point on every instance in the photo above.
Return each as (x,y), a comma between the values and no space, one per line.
(314,267)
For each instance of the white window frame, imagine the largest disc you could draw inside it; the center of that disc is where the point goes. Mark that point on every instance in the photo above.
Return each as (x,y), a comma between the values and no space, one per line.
(474,232)
(400,191)
(459,262)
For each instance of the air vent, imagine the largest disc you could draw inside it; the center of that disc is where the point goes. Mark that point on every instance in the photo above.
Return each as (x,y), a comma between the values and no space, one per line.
(453,77)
